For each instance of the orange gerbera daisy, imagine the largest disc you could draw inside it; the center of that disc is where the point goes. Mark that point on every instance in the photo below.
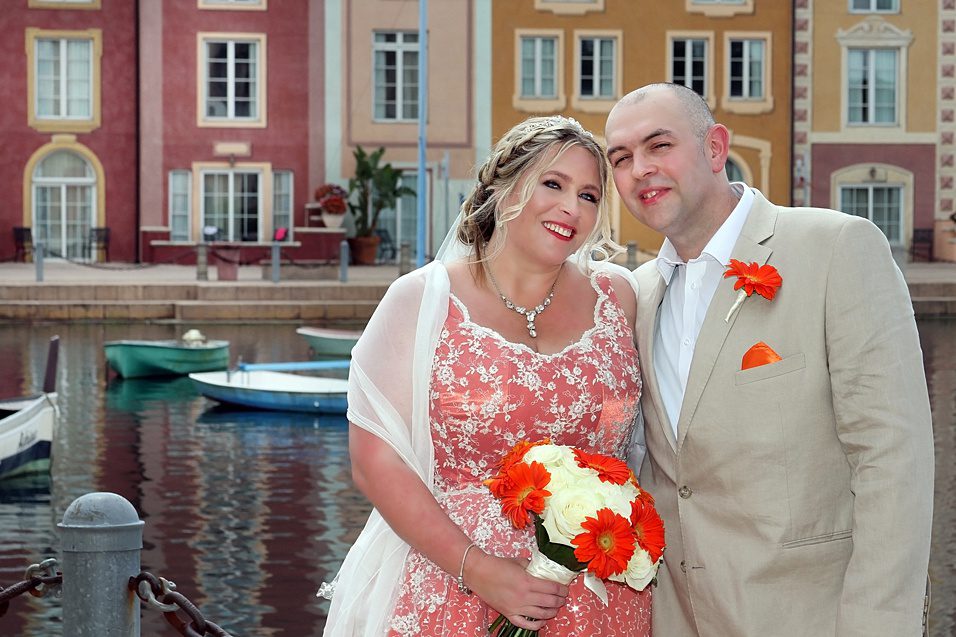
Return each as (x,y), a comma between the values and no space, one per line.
(606,545)
(525,492)
(609,469)
(762,279)
(517,453)
(649,528)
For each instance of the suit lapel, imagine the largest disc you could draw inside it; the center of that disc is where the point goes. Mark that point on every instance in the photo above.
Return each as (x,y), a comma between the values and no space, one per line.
(652,288)
(713,333)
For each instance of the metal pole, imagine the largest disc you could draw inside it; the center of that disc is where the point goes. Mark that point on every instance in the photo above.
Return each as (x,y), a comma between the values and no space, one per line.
(632,255)
(38,260)
(422,122)
(344,261)
(404,263)
(202,265)
(276,255)
(101,536)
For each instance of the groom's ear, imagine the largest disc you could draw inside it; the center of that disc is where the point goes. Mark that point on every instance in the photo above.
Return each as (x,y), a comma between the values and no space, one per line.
(716,146)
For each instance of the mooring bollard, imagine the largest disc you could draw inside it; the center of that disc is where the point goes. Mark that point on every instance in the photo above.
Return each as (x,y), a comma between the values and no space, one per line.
(202,264)
(632,255)
(344,257)
(101,537)
(38,260)
(276,255)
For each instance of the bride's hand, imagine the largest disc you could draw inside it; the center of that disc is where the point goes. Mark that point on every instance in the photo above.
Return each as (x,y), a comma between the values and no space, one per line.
(504,584)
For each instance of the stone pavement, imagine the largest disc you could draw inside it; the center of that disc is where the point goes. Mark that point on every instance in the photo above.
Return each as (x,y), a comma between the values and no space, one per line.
(124,292)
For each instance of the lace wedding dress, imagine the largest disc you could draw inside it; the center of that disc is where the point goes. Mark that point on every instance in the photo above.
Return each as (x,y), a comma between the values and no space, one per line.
(485,395)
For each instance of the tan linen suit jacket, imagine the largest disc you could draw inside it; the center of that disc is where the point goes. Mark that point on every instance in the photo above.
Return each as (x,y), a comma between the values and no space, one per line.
(797,498)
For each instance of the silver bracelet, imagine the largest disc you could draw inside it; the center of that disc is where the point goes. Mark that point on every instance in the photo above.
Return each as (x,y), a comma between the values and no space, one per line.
(461,571)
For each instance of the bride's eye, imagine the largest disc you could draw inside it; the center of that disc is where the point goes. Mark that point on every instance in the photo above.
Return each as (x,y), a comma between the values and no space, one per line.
(550,183)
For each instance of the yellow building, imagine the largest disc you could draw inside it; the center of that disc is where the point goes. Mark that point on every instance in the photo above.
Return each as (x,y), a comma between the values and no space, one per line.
(577,58)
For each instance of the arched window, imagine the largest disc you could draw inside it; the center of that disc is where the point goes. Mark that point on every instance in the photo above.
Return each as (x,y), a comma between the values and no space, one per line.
(64,186)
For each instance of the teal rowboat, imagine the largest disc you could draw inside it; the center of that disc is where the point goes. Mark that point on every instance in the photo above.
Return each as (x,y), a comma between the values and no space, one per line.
(326,343)
(131,359)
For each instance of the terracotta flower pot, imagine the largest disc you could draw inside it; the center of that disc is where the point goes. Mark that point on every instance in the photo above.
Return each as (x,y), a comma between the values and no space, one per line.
(364,249)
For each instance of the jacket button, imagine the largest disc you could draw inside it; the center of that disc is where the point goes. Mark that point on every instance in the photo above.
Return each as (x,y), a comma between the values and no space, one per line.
(684,492)
(683,566)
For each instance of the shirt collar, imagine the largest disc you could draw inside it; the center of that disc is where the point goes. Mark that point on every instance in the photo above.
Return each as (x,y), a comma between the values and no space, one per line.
(720,246)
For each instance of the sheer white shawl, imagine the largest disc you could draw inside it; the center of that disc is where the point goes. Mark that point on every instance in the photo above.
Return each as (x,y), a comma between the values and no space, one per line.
(388,396)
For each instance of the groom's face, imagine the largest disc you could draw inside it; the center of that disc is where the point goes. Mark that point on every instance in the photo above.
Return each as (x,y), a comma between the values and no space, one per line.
(658,163)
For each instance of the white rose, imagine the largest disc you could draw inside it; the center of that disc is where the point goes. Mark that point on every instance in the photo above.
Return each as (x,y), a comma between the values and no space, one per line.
(566,510)
(617,499)
(548,455)
(640,570)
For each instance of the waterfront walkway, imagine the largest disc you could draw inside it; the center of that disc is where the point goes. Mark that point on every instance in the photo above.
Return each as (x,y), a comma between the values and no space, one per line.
(122,292)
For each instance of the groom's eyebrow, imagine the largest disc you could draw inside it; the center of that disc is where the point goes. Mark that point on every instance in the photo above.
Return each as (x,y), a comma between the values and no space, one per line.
(655,133)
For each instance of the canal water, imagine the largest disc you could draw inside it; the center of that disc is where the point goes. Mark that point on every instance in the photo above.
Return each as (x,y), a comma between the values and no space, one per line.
(249,512)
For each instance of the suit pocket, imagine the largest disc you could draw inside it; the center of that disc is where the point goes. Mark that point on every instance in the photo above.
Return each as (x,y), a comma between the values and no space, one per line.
(772,370)
(819,539)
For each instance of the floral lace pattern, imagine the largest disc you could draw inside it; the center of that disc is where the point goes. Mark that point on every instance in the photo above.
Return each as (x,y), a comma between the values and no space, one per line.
(486,394)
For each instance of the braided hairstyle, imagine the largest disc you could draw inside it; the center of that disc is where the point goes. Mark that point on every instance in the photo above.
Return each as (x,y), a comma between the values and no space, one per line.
(520,153)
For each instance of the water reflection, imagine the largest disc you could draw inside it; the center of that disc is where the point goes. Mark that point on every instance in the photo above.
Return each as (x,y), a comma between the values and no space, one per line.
(248,512)
(243,510)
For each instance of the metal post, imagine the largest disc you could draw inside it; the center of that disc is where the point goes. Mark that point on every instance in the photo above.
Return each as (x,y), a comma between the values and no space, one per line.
(632,255)
(38,260)
(202,264)
(344,261)
(404,262)
(276,255)
(101,537)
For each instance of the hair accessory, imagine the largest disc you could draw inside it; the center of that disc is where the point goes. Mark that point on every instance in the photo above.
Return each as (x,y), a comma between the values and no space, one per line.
(464,590)
(570,122)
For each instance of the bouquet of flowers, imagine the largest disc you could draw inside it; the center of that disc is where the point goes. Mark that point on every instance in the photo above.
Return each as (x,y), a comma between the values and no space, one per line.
(589,514)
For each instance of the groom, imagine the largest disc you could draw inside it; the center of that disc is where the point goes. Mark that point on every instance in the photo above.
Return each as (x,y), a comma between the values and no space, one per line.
(790,446)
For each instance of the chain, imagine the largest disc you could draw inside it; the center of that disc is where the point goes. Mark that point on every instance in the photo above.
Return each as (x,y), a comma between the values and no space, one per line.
(39,580)
(160,594)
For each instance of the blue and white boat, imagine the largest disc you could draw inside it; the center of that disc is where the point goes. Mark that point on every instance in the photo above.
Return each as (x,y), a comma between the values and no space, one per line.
(280,391)
(27,424)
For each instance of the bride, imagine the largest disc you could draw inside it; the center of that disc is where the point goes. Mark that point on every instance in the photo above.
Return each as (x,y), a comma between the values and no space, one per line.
(513,334)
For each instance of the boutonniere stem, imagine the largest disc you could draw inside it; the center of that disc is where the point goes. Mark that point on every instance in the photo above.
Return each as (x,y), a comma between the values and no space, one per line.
(762,279)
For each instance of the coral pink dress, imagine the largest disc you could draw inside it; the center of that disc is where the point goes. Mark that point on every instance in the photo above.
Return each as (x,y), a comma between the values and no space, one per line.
(487,394)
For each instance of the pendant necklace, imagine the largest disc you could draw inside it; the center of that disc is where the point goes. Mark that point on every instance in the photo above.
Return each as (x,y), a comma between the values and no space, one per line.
(529,314)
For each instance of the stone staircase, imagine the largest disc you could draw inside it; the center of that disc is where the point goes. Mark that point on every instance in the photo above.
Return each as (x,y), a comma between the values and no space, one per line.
(246,301)
(934,298)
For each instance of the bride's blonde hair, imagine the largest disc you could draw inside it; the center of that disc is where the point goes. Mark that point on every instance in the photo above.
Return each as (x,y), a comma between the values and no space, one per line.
(520,152)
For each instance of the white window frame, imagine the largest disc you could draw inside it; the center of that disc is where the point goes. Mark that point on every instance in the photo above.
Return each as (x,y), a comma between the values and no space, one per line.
(747,105)
(64,78)
(230,232)
(597,103)
(901,210)
(870,87)
(707,37)
(63,123)
(873,6)
(186,211)
(873,32)
(399,48)
(283,218)
(230,120)
(540,104)
(877,174)
(70,247)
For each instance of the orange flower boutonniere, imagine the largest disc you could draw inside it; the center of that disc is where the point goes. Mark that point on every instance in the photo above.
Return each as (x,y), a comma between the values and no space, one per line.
(762,279)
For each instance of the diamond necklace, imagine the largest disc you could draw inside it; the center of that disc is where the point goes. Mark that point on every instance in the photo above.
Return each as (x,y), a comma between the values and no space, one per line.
(529,314)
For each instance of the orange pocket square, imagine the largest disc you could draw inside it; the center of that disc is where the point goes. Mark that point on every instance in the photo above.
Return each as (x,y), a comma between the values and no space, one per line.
(759,354)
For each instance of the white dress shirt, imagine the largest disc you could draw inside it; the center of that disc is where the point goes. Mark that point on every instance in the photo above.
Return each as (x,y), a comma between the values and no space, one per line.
(690,288)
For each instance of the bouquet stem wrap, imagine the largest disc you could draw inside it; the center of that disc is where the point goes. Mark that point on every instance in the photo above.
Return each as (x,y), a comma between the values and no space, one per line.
(544,567)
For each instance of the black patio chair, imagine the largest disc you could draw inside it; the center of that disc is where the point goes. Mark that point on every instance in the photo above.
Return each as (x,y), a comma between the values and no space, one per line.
(99,240)
(921,247)
(386,247)
(23,243)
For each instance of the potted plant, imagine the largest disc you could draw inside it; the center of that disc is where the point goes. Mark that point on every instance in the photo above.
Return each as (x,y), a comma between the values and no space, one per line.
(376,187)
(332,201)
